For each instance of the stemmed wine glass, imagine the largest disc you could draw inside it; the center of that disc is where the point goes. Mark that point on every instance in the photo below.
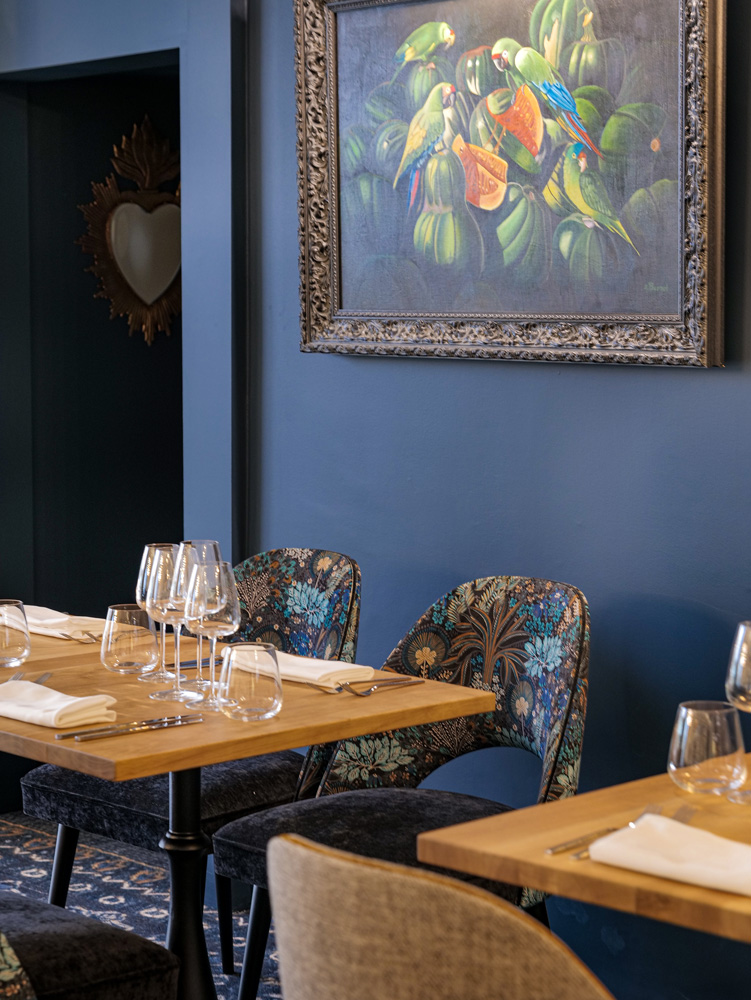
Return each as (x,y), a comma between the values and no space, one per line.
(142,587)
(212,608)
(738,686)
(199,551)
(165,602)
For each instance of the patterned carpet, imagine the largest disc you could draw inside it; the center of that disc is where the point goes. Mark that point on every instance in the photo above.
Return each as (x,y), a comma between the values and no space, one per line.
(118,884)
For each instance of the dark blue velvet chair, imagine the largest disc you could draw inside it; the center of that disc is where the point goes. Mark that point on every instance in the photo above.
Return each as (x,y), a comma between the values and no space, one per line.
(58,955)
(527,640)
(305,601)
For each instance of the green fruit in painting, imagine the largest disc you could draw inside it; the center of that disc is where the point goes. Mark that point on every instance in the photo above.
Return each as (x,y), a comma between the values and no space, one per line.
(598,97)
(444,182)
(353,149)
(486,131)
(370,204)
(388,146)
(590,252)
(524,236)
(448,237)
(476,72)
(382,279)
(422,77)
(386,101)
(646,216)
(631,147)
(456,119)
(556,24)
(595,63)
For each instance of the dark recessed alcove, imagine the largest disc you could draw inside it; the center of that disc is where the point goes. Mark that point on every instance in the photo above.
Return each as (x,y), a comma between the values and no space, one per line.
(94,467)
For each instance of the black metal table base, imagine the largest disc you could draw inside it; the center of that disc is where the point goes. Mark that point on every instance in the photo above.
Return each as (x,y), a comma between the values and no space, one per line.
(186,848)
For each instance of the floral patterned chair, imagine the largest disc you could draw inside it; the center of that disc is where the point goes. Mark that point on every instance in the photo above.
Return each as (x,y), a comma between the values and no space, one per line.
(305,601)
(525,639)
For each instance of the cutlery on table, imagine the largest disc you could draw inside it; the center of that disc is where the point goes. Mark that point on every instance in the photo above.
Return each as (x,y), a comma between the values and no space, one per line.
(345,686)
(185,720)
(161,719)
(19,674)
(78,638)
(587,838)
(682,815)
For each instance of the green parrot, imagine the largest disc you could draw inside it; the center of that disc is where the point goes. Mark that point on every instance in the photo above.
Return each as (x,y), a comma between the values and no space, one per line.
(585,189)
(422,43)
(526,65)
(425,133)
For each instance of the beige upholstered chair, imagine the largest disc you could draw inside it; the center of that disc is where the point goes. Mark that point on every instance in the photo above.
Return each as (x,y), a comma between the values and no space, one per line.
(349,926)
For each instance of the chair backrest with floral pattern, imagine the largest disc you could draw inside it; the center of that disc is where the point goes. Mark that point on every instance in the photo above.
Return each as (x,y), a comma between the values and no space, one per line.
(525,639)
(307,602)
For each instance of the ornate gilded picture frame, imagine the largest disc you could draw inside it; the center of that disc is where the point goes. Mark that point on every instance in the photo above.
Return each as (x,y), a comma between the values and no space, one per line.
(512,179)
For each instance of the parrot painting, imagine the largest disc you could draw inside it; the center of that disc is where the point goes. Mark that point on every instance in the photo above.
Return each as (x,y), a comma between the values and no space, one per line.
(422,43)
(526,66)
(425,133)
(585,189)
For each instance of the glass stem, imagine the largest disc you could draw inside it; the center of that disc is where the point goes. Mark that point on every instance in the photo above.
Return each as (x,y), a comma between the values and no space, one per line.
(199,667)
(163,645)
(176,628)
(212,668)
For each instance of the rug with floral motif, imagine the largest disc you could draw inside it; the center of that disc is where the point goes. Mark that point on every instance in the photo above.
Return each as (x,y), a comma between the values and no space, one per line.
(120,885)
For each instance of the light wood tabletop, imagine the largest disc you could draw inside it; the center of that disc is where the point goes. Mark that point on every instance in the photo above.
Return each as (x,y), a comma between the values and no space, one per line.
(307,716)
(511,848)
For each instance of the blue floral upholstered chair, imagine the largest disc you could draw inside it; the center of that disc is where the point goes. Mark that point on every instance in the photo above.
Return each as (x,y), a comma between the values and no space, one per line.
(305,601)
(525,639)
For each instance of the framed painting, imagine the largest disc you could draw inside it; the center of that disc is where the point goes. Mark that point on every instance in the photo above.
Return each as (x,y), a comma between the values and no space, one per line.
(522,179)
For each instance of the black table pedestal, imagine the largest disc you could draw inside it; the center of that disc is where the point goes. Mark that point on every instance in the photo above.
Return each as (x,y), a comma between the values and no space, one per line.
(186,847)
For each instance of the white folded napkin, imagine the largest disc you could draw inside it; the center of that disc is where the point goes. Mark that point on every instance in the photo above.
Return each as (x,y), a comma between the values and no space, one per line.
(45,621)
(326,672)
(661,846)
(35,703)
(309,668)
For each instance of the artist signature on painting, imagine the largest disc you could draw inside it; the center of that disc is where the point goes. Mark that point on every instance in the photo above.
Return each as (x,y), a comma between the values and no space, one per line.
(650,286)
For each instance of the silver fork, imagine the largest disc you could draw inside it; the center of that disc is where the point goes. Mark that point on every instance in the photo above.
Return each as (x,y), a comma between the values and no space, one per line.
(345,686)
(37,680)
(652,808)
(76,638)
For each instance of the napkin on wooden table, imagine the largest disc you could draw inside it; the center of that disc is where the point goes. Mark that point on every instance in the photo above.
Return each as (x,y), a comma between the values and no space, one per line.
(45,621)
(661,846)
(30,702)
(309,668)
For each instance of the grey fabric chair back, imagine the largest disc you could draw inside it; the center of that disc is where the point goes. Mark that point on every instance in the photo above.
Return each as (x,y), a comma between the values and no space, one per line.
(348,926)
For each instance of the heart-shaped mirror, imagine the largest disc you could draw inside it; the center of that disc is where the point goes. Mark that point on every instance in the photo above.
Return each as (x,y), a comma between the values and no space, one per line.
(134,236)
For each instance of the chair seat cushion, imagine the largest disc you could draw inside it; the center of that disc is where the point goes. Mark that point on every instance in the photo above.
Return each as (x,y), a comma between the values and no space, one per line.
(137,811)
(70,957)
(375,822)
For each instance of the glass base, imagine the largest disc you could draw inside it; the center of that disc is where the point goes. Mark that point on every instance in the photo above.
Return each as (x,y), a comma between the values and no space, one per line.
(197,685)
(207,703)
(160,676)
(741,798)
(172,695)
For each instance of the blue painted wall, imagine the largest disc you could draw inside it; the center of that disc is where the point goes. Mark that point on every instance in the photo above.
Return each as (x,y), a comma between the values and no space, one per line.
(630,483)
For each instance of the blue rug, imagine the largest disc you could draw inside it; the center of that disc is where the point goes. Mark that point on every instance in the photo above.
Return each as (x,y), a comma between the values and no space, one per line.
(120,885)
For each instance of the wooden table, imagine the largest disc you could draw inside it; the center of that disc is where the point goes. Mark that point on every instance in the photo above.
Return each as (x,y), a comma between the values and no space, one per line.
(511,848)
(307,717)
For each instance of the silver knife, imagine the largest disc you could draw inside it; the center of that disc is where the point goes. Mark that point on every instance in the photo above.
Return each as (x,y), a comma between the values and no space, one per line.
(104,733)
(71,733)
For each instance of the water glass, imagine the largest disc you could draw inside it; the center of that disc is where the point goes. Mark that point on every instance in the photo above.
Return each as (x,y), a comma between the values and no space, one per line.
(129,643)
(706,748)
(250,687)
(15,644)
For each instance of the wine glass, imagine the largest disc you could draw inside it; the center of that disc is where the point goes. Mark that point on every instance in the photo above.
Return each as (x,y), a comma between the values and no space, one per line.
(129,643)
(165,602)
(15,644)
(199,551)
(706,748)
(250,688)
(142,587)
(212,608)
(738,686)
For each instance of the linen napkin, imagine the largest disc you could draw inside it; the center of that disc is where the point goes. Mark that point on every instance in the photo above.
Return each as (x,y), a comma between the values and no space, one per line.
(309,668)
(45,621)
(30,702)
(661,846)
